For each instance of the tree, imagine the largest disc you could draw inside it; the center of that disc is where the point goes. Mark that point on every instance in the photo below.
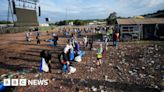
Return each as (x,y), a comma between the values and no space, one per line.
(5,22)
(79,22)
(112,18)
(65,22)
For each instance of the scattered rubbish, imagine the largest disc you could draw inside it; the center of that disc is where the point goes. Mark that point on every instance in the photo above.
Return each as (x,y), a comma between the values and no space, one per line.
(94,49)
(110,64)
(152,62)
(162,67)
(117,67)
(53,79)
(94,61)
(72,81)
(61,87)
(101,87)
(10,75)
(157,67)
(36,75)
(94,89)
(91,69)
(81,91)
(150,76)
(103,91)
(131,73)
(142,75)
(123,61)
(110,80)
(106,77)
(86,88)
(156,87)
(21,76)
(78,59)
(156,47)
(3,75)
(71,70)
(163,78)
(143,68)
(83,81)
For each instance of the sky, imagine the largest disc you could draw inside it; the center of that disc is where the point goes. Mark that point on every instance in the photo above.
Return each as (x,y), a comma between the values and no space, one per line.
(90,9)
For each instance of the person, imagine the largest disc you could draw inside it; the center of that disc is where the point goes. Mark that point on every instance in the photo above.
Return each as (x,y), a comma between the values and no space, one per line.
(72,40)
(90,42)
(47,32)
(79,32)
(115,39)
(37,33)
(105,48)
(55,39)
(76,48)
(63,62)
(65,57)
(85,41)
(48,59)
(43,65)
(71,55)
(99,55)
(37,39)
(27,36)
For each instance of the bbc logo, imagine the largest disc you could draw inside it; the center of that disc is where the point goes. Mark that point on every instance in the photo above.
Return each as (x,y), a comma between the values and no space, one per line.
(15,82)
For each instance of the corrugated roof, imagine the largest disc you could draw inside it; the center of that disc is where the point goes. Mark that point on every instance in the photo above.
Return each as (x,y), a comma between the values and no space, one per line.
(141,21)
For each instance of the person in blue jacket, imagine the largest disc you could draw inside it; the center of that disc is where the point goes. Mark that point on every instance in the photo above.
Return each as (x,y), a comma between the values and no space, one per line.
(71,55)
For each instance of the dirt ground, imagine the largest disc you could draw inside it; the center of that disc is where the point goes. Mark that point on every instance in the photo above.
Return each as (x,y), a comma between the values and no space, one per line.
(133,67)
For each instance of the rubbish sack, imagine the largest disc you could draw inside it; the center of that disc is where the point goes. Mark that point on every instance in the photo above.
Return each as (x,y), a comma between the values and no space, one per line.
(72,69)
(2,87)
(45,67)
(78,59)
(40,68)
(80,53)
(52,45)
(50,40)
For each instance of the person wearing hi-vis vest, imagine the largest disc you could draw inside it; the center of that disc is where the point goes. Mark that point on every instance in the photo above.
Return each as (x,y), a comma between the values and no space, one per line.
(99,55)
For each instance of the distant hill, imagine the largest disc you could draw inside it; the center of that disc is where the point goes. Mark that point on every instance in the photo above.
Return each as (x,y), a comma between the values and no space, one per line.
(157,14)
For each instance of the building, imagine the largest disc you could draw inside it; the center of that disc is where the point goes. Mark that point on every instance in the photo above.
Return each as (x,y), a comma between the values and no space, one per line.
(71,23)
(44,24)
(147,28)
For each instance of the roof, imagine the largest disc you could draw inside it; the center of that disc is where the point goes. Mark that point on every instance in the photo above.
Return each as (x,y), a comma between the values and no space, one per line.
(141,21)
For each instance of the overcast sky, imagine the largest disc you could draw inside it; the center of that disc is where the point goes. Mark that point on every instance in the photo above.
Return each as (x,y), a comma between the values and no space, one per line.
(90,9)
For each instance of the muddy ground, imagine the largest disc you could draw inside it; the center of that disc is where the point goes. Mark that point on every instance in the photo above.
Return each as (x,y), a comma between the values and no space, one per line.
(133,67)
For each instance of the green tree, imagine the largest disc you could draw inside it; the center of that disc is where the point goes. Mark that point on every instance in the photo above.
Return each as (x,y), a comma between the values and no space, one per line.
(112,18)
(79,22)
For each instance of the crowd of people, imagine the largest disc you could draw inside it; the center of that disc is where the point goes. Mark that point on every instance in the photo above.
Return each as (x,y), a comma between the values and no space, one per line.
(71,52)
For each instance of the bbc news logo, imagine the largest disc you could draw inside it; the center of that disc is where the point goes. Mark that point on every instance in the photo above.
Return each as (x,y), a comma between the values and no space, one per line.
(24,82)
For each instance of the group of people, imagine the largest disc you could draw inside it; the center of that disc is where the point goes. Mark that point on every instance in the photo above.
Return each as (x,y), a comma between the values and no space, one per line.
(71,53)
(88,42)
(111,34)
(37,34)
(76,31)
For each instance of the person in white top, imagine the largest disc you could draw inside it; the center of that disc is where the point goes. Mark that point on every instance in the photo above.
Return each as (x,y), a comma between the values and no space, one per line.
(85,41)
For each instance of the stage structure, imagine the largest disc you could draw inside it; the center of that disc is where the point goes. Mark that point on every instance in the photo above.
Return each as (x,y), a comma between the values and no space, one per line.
(24,12)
